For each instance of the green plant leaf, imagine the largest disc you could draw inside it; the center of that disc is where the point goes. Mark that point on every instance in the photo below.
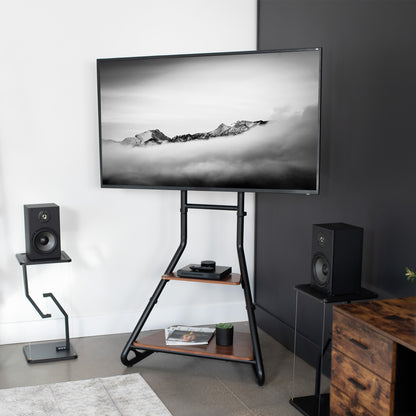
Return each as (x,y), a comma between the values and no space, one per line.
(410,275)
(224,326)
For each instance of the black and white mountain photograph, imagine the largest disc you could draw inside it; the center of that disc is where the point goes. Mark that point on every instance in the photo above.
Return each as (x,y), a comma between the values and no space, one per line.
(239,121)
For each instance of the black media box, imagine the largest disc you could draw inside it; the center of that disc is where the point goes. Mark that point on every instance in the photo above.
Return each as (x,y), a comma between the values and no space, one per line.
(219,273)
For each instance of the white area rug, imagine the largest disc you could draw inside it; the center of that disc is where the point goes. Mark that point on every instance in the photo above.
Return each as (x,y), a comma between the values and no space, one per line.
(126,395)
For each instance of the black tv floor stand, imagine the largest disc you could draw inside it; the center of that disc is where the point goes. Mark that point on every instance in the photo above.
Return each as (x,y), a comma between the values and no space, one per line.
(246,346)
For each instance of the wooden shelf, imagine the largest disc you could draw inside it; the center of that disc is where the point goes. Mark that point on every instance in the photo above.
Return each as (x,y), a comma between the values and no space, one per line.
(232,279)
(241,350)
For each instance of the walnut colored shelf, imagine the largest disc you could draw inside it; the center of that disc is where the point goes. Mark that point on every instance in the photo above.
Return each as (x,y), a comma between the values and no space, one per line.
(232,279)
(241,350)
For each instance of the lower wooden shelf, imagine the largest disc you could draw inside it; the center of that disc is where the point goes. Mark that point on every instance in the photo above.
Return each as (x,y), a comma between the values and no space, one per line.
(241,350)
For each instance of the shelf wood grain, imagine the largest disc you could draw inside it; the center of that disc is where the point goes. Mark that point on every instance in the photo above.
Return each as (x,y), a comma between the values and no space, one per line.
(395,319)
(231,279)
(241,350)
(374,357)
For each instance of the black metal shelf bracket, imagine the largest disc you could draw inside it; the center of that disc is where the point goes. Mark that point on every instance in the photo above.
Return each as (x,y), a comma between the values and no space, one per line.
(185,206)
(51,351)
(42,315)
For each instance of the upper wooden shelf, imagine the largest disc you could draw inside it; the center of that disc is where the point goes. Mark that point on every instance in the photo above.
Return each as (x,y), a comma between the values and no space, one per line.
(232,279)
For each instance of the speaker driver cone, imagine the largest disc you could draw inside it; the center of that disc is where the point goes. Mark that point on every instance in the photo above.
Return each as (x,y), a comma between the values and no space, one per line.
(320,270)
(45,241)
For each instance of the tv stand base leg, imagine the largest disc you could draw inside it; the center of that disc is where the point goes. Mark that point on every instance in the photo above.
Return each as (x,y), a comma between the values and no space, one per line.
(138,356)
(258,371)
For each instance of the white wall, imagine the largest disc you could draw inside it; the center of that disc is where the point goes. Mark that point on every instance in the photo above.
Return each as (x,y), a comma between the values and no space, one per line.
(120,241)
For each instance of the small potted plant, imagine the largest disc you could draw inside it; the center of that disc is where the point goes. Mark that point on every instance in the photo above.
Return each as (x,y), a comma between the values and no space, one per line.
(410,275)
(224,334)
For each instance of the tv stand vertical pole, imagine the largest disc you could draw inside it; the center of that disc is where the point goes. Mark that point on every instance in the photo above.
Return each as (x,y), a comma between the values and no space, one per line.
(140,355)
(259,370)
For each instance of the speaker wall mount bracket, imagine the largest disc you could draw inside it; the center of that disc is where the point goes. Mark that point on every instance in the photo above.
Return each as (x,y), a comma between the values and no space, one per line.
(49,351)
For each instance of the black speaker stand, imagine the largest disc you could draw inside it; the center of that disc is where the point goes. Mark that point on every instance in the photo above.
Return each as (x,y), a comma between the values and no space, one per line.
(47,351)
(318,404)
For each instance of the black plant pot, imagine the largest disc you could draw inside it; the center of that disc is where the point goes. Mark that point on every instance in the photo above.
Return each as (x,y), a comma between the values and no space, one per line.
(224,336)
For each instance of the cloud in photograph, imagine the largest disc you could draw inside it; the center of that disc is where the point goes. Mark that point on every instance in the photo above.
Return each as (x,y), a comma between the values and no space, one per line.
(280,154)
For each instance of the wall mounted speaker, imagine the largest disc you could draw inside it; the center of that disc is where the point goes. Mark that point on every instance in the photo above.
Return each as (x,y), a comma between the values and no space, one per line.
(336,258)
(42,231)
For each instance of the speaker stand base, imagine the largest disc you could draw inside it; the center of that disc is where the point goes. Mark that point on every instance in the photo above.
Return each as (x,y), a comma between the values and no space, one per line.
(49,351)
(312,405)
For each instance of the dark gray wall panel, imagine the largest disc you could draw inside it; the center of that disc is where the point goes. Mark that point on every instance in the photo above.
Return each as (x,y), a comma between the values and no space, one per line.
(368,152)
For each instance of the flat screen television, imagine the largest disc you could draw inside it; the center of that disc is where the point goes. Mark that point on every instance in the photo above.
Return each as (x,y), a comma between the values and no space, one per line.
(240,121)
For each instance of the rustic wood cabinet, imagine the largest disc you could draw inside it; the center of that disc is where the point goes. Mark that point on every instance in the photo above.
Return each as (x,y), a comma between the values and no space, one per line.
(374,358)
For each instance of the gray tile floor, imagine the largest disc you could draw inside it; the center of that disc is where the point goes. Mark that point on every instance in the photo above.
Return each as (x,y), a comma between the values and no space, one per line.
(187,385)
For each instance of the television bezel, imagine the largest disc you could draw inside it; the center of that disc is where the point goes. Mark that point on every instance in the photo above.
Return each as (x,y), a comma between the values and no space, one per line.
(315,191)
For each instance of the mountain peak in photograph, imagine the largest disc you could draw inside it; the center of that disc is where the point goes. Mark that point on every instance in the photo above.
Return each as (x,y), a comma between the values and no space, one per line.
(156,137)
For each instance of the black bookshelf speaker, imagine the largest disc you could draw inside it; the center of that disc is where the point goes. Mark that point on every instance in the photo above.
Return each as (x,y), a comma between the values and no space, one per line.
(336,258)
(42,231)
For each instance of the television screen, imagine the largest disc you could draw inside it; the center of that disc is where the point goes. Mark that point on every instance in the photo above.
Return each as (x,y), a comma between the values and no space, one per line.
(242,121)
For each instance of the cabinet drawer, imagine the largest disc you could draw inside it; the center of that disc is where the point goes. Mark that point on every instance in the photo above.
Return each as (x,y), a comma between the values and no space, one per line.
(361,385)
(361,343)
(342,405)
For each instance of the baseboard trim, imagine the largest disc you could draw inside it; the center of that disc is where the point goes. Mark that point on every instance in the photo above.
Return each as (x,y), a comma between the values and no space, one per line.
(117,323)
